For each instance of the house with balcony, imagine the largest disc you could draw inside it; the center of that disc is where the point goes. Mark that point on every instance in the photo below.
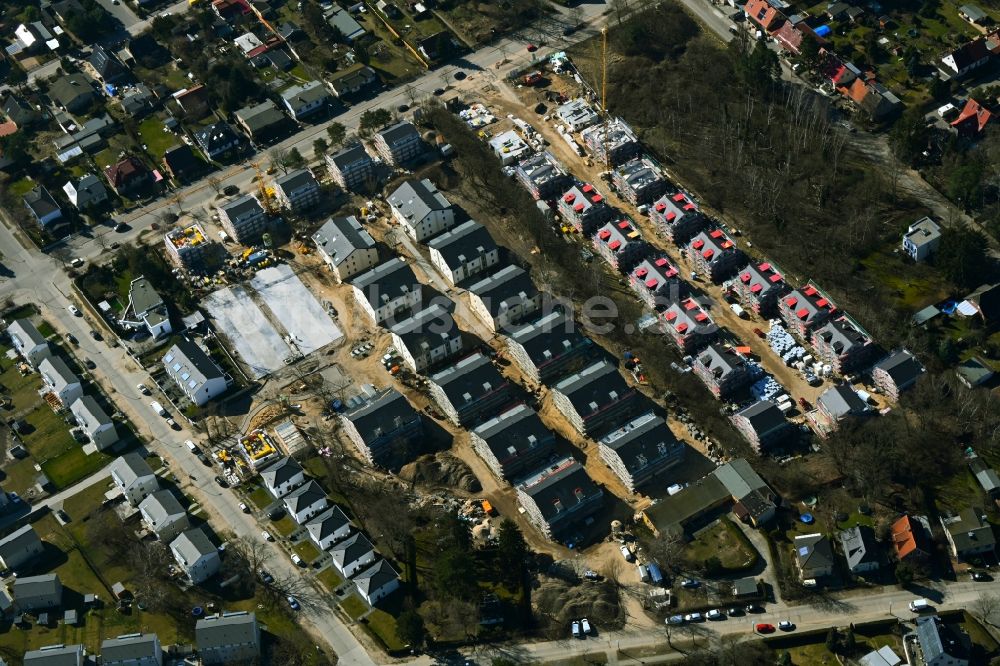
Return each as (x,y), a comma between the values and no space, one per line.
(639,181)
(763,425)
(463,252)
(896,373)
(470,390)
(843,344)
(505,298)
(688,325)
(620,244)
(194,372)
(513,443)
(427,338)
(346,247)
(612,142)
(95,422)
(657,282)
(677,218)
(421,210)
(585,208)
(226,638)
(145,308)
(297,190)
(596,399)
(759,285)
(352,167)
(805,310)
(641,450)
(559,499)
(399,143)
(549,348)
(303,100)
(28,341)
(243,218)
(921,239)
(714,255)
(386,290)
(196,555)
(387,431)
(60,381)
(722,369)
(543,176)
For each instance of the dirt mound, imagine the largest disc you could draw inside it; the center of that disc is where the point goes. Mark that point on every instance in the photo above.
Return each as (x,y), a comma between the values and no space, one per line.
(441,469)
(563,602)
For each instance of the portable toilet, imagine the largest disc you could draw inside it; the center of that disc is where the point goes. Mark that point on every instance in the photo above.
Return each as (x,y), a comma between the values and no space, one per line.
(655,577)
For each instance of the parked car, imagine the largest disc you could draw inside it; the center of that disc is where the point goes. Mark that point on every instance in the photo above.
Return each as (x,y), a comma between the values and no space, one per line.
(244,508)
(575,628)
(627,554)
(222,482)
(94,334)
(73,310)
(121,227)
(690,583)
(786,625)
(142,389)
(735,611)
(764,628)
(265,577)
(230,190)
(693,617)
(90,364)
(675,619)
(759,333)
(76,263)
(585,626)
(531,48)
(266,536)
(715,614)
(754,608)
(298,560)
(173,424)
(72,338)
(294,603)
(980,576)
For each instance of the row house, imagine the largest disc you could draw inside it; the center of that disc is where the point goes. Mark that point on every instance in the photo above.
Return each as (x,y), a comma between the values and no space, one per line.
(803,310)
(612,142)
(688,324)
(543,176)
(513,443)
(463,252)
(715,255)
(387,431)
(505,298)
(722,370)
(421,209)
(427,338)
(469,390)
(387,289)
(657,282)
(585,208)
(559,499)
(843,344)
(620,244)
(638,181)
(297,190)
(549,348)
(595,399)
(641,450)
(677,218)
(352,167)
(762,424)
(759,286)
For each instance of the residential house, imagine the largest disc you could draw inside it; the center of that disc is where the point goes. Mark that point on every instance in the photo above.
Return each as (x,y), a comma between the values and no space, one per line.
(986,476)
(399,143)
(577,114)
(193,101)
(345,247)
(31,38)
(543,176)
(620,244)
(509,147)
(88,191)
(596,399)
(188,247)
(548,348)
(422,211)
(585,208)
(896,373)
(137,100)
(132,650)
(641,450)
(387,289)
(28,341)
(106,67)
(677,218)
(860,549)
(262,122)
(127,175)
(297,190)
(305,502)
(657,282)
(762,424)
(688,324)
(759,286)
(19,547)
(328,527)
(306,99)
(426,338)
(146,308)
(969,534)
(228,638)
(973,372)
(182,164)
(513,443)
(842,344)
(941,644)
(72,92)
(972,120)
(974,15)
(283,476)
(884,656)
(714,255)
(78,138)
(60,380)
(967,57)
(18,111)
(56,655)
(722,369)
(99,427)
(35,593)
(352,554)
(352,168)
(387,431)
(470,390)
(133,477)
(194,372)
(986,301)
(345,23)
(813,556)
(354,82)
(243,218)
(218,140)
(163,514)
(763,14)
(911,539)
(805,309)
(377,582)
(922,239)
(196,555)
(559,499)
(612,142)
(463,252)
(838,403)
(504,298)
(639,181)
(42,206)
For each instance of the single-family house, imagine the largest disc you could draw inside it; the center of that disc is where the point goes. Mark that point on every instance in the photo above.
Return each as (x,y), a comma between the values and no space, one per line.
(133,477)
(941,644)
(548,348)
(896,373)
(559,499)
(305,501)
(464,251)
(353,553)
(972,120)
(470,390)
(182,164)
(193,101)
(86,192)
(641,450)
(262,122)
(218,140)
(228,638)
(860,549)
(922,239)
(243,218)
(763,14)
(387,289)
(164,515)
(911,539)
(283,476)
(596,398)
(42,206)
(342,21)
(421,209)
(399,143)
(132,650)
(973,372)
(306,99)
(513,443)
(146,308)
(95,422)
(504,298)
(137,100)
(328,527)
(20,546)
(194,372)
(426,338)
(196,555)
(72,92)
(346,247)
(28,341)
(762,424)
(60,380)
(354,82)
(967,57)
(813,556)
(127,175)
(56,655)
(969,534)
(377,582)
(387,431)
(34,593)
(974,15)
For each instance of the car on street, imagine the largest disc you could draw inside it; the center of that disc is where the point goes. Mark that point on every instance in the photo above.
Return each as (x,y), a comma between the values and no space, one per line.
(90,364)
(759,333)
(73,310)
(531,48)
(764,628)
(294,603)
(94,334)
(230,190)
(299,562)
(575,628)
(585,626)
(76,263)
(222,482)
(403,108)
(715,614)
(693,617)
(266,536)
(754,608)
(980,576)
(786,625)
(690,583)
(204,459)
(675,619)
(459,75)
(276,513)
(142,388)
(121,227)
(244,508)
(265,577)
(735,611)
(173,424)
(438,92)
(72,338)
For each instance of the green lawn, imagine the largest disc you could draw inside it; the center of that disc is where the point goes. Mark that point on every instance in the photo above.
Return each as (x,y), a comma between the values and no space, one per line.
(354,606)
(724,541)
(261,498)
(20,187)
(856,519)
(383,625)
(285,526)
(156,140)
(73,465)
(49,436)
(307,550)
(23,391)
(330,578)
(914,285)
(45,328)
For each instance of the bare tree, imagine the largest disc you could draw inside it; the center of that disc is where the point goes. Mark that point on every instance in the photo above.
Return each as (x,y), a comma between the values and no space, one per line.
(986,608)
(215,183)
(280,158)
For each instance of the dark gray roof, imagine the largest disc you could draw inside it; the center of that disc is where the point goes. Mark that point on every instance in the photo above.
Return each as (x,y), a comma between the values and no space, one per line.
(384,414)
(548,337)
(130,467)
(469,380)
(55,655)
(974,371)
(327,522)
(938,641)
(842,335)
(341,236)
(430,326)
(241,205)
(596,386)
(415,199)
(192,545)
(859,545)
(813,551)
(130,646)
(260,116)
(398,133)
(67,88)
(105,64)
(720,361)
(902,367)
(143,296)
(217,136)
(192,360)
(463,243)
(281,471)
(387,282)
(228,629)
(40,201)
(375,576)
(641,441)
(505,289)
(842,400)
(351,549)
(763,416)
(555,492)
(304,496)
(350,155)
(18,541)
(969,530)
(36,586)
(513,432)
(294,180)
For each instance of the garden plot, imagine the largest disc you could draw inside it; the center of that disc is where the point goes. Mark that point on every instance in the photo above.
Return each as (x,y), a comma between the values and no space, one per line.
(259,344)
(295,307)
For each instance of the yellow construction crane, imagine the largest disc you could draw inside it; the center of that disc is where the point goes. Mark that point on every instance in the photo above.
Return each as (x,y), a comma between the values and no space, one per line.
(266,193)
(604,97)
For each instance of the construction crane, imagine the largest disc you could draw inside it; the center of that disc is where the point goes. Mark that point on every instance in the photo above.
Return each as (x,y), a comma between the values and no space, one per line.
(265,192)
(604,98)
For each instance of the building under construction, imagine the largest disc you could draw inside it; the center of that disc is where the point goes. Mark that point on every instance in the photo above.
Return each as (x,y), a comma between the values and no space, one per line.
(612,142)
(188,246)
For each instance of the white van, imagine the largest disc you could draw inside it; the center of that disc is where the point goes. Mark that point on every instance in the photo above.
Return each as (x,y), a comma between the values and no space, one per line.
(158,408)
(919,605)
(191,446)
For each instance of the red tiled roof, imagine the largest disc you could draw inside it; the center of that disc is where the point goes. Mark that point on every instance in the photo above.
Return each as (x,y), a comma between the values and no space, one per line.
(8,128)
(973,118)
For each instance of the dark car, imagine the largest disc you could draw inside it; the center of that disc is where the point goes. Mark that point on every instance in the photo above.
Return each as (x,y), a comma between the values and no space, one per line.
(90,364)
(222,482)
(569,30)
(754,608)
(121,227)
(204,460)
(72,338)
(403,108)
(981,576)
(94,334)
(230,190)
(439,91)
(276,513)
(459,75)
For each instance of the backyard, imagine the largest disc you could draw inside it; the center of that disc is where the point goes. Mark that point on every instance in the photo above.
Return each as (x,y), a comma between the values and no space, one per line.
(724,541)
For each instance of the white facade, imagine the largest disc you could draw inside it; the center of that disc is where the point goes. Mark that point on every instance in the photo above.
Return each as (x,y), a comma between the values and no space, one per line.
(922,239)
(28,342)
(60,380)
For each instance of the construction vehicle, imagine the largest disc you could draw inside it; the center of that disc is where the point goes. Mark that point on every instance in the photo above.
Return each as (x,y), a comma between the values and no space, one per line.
(533,78)
(265,192)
